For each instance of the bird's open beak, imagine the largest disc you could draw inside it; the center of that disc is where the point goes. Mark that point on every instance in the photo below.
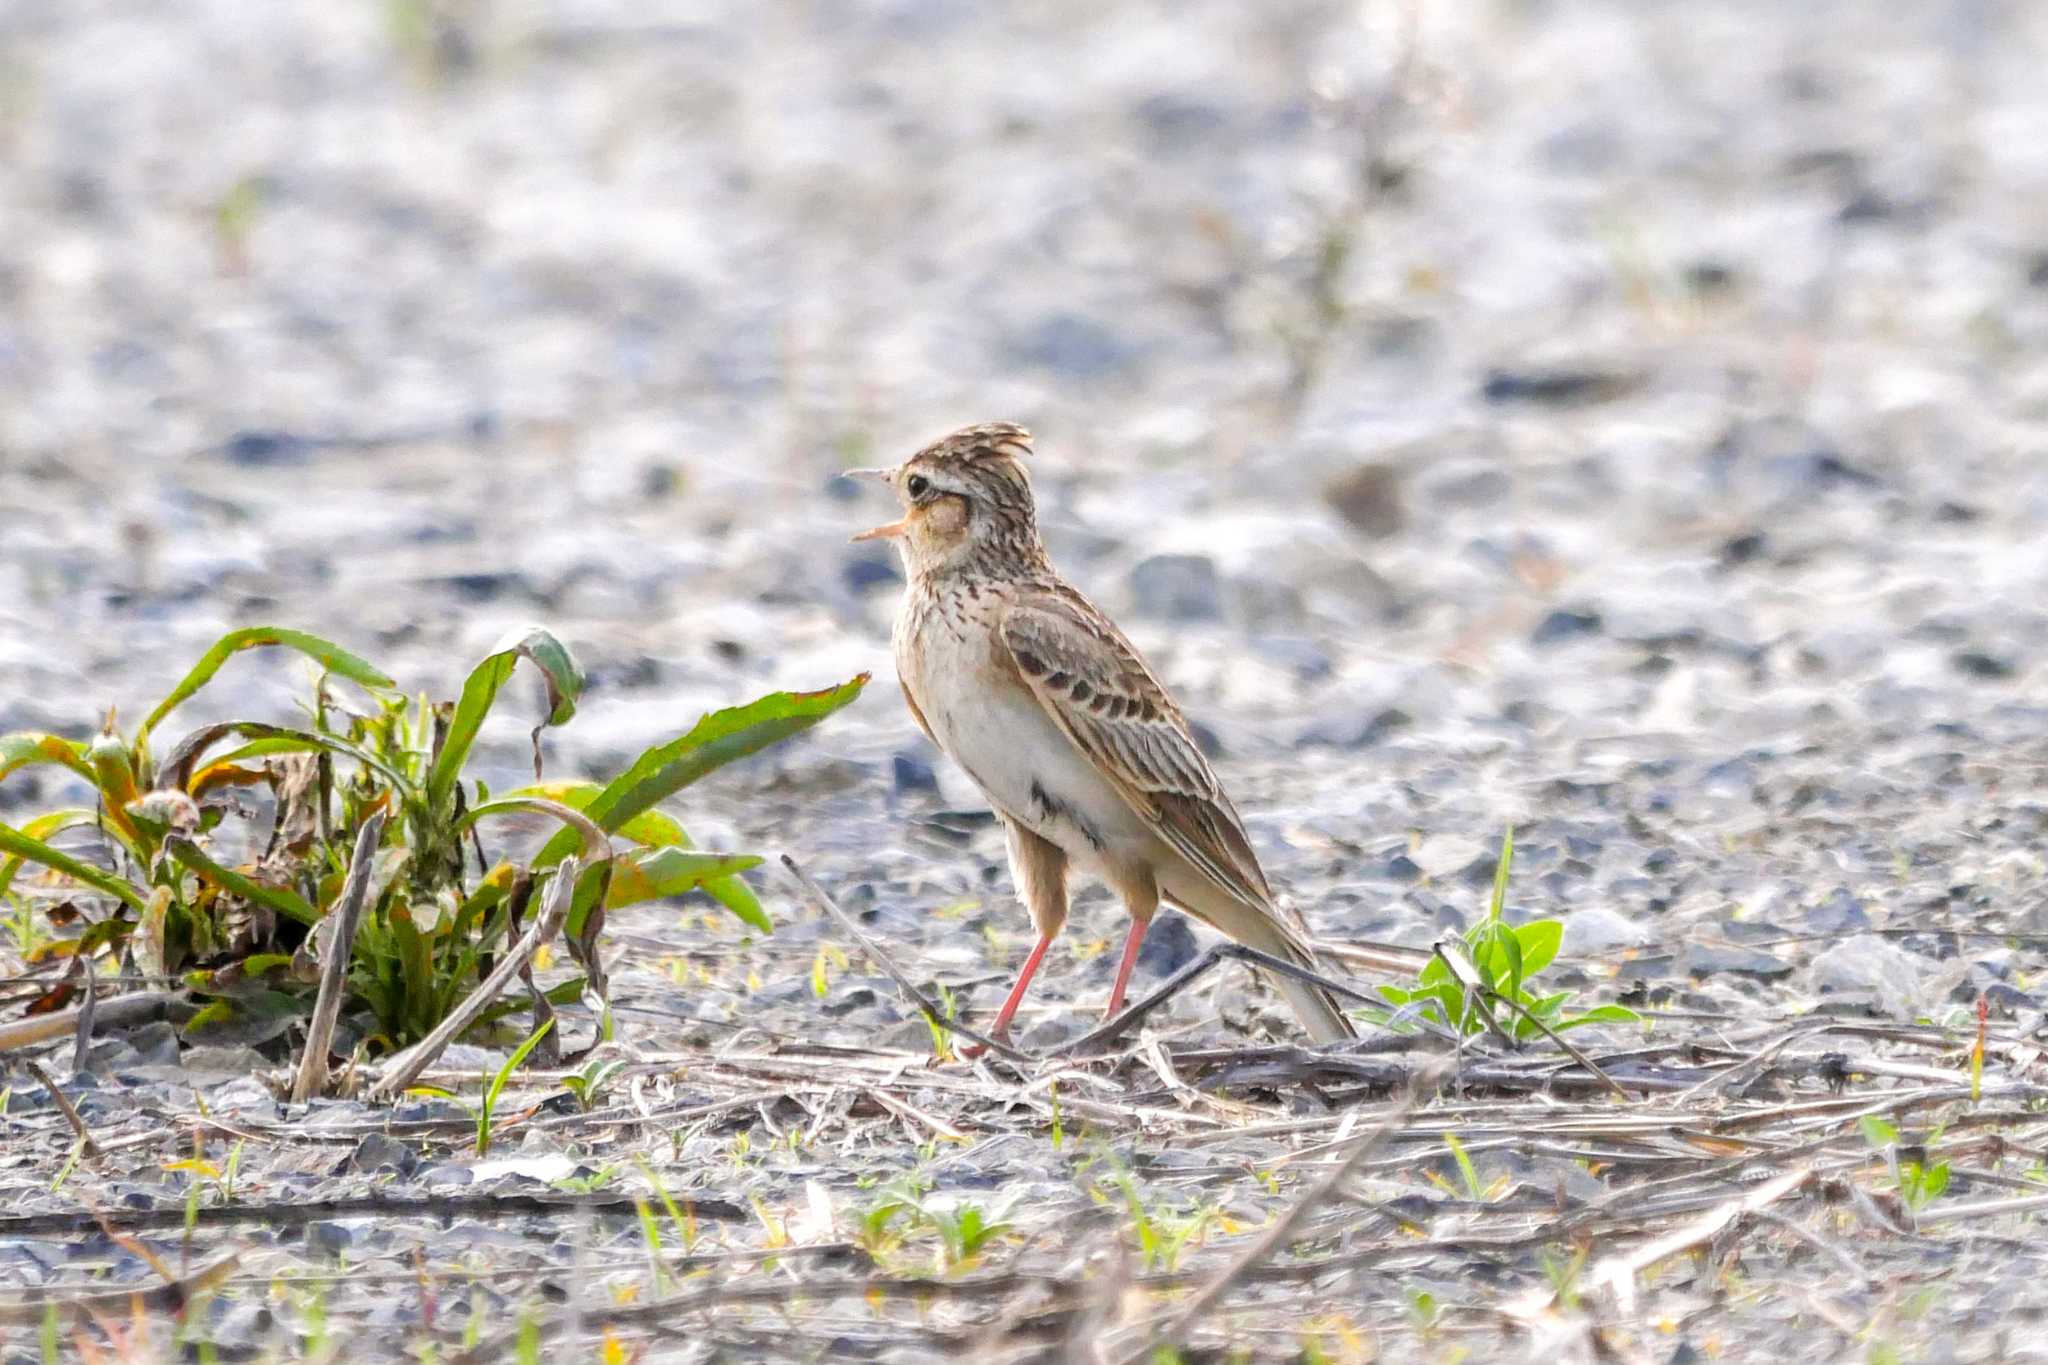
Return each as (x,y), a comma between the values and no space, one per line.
(894,528)
(889,532)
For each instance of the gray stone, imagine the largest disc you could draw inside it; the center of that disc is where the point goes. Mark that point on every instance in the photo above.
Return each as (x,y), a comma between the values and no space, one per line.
(1562,625)
(328,1236)
(1177,587)
(1873,967)
(1072,346)
(1712,959)
(1368,497)
(1596,929)
(381,1152)
(1169,945)
(1839,913)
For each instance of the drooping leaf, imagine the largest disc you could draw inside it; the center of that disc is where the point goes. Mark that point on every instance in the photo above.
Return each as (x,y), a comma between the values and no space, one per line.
(25,750)
(655,828)
(558,670)
(716,740)
(271,739)
(596,843)
(20,845)
(647,874)
(281,899)
(328,655)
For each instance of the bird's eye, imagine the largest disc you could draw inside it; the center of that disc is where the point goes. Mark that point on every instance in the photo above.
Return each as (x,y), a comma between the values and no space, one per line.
(918,485)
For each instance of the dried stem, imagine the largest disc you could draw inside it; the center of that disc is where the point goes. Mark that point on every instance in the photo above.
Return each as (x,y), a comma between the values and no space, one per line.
(347,918)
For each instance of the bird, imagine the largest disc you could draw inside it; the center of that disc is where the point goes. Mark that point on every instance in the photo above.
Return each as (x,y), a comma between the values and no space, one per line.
(1083,754)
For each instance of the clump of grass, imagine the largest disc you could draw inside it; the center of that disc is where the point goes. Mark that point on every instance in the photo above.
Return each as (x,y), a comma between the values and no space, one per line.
(182,877)
(1505,958)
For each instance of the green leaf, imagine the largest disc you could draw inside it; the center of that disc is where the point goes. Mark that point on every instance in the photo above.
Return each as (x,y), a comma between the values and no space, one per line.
(17,844)
(653,873)
(1539,942)
(716,740)
(328,655)
(26,750)
(1877,1132)
(1606,1014)
(281,899)
(511,1065)
(735,895)
(1466,1169)
(557,669)
(1500,875)
(40,829)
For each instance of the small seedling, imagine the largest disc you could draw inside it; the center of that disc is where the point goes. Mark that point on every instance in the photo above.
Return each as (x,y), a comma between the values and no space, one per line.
(1918,1183)
(1563,1274)
(494,1085)
(942,1037)
(588,1085)
(1163,1232)
(1507,957)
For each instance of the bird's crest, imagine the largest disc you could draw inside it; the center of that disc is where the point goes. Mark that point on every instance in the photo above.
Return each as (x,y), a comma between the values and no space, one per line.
(989,440)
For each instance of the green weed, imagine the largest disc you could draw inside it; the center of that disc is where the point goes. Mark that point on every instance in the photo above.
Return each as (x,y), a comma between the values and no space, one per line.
(191,882)
(1506,957)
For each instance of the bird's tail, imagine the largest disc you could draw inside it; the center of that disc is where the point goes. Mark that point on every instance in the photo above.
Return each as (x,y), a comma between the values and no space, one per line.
(1315,1007)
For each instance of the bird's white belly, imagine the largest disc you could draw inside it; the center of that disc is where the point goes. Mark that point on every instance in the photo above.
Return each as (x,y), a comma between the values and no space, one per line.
(1023,762)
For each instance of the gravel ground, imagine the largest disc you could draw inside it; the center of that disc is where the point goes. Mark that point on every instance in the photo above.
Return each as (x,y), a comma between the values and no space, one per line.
(1628,424)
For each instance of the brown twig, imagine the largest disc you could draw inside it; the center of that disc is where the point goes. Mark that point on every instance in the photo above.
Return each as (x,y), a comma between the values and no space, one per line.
(114,1012)
(64,1106)
(347,916)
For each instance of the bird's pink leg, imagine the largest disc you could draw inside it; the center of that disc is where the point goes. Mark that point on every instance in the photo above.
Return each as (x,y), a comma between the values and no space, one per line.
(1123,969)
(1002,1024)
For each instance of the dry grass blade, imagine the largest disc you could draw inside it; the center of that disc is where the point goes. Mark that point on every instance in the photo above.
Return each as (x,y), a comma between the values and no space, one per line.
(903,983)
(88,1012)
(164,1298)
(347,918)
(406,1067)
(1979,1209)
(1618,1273)
(1276,1235)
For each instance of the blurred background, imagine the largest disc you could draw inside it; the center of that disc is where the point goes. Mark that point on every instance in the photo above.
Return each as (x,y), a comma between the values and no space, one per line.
(1629,417)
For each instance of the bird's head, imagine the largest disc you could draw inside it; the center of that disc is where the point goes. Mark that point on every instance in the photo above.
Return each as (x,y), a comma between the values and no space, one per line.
(966,503)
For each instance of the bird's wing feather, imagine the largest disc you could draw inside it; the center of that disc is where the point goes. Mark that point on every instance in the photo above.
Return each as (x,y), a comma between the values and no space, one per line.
(1094,685)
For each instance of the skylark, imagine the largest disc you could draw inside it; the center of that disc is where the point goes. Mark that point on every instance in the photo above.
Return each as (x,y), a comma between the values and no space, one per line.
(1052,712)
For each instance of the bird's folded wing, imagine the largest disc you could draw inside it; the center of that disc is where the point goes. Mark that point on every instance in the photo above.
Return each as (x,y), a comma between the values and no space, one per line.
(1093,683)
